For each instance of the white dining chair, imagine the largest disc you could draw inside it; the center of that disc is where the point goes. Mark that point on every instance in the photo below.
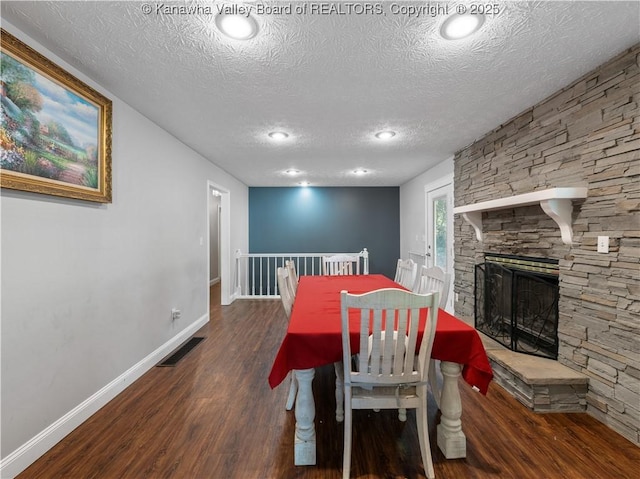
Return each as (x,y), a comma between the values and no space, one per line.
(387,374)
(406,271)
(287,297)
(432,279)
(293,275)
(340,264)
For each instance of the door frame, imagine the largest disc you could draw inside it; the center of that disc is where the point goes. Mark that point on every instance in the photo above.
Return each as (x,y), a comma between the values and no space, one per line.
(225,242)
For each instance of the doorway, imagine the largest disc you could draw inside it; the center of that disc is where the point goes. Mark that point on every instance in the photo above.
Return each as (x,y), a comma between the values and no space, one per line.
(439,228)
(218,243)
(215,208)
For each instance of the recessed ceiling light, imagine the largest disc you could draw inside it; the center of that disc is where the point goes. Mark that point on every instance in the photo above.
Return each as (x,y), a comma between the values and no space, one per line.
(304,183)
(292,172)
(385,135)
(278,135)
(238,27)
(461,26)
(360,172)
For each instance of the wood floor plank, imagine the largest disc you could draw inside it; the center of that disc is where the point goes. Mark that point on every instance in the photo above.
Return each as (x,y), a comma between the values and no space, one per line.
(213,416)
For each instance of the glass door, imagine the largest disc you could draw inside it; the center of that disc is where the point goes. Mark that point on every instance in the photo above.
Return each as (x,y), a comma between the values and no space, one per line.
(439,222)
(437,242)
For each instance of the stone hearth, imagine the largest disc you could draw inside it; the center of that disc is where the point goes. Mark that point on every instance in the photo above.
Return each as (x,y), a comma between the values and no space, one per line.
(541,384)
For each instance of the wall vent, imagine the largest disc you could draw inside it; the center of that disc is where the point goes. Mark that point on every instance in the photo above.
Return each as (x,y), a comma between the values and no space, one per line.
(181,352)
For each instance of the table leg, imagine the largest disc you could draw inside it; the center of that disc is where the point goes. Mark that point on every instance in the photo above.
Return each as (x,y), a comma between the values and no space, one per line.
(451,440)
(305,439)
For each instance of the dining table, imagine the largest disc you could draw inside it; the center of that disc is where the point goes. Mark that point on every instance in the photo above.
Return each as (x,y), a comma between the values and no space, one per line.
(314,339)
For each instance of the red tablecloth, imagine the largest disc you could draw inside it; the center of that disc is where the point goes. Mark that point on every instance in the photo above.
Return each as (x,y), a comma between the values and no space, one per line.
(314,335)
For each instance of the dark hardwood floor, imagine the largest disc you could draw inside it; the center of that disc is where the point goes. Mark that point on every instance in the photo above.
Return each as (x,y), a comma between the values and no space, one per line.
(213,416)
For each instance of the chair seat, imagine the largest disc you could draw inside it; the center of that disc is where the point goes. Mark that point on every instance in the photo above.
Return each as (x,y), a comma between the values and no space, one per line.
(383,391)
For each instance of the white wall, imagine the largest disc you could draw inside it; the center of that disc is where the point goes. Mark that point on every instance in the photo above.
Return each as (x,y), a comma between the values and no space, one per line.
(87,289)
(412,207)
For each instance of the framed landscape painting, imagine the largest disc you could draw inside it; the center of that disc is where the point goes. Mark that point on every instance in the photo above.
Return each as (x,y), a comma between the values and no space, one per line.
(55,131)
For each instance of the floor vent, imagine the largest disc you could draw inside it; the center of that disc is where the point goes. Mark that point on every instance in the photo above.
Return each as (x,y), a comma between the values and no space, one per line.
(181,352)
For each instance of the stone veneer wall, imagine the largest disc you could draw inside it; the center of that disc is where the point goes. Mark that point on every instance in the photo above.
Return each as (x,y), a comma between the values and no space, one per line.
(587,134)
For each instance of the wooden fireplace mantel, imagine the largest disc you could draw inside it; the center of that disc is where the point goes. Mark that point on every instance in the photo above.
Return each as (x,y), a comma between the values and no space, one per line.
(555,202)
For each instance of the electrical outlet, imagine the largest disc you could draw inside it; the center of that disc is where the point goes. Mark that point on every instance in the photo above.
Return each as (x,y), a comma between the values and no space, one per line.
(175,314)
(603,244)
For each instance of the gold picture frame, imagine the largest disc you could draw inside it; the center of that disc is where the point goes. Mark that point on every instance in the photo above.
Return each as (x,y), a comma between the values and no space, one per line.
(55,130)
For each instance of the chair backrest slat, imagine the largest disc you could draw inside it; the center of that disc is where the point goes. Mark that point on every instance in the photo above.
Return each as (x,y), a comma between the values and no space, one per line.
(413,339)
(364,339)
(388,347)
(375,353)
(400,346)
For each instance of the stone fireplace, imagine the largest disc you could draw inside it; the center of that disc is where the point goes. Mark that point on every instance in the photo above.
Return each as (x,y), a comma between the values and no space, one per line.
(585,135)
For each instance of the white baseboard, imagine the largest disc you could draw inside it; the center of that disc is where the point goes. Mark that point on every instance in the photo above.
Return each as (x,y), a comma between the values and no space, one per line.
(29,452)
(235,295)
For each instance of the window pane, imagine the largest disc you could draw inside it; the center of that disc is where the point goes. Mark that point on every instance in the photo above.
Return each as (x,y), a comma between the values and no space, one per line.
(440,231)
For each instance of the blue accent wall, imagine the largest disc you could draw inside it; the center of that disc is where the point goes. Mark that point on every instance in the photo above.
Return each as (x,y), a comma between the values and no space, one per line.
(327,220)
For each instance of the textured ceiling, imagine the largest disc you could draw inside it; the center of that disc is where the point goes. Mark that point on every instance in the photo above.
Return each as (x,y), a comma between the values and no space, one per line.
(330,80)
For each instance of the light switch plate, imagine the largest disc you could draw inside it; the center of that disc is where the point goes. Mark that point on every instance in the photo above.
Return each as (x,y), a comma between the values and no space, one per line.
(603,244)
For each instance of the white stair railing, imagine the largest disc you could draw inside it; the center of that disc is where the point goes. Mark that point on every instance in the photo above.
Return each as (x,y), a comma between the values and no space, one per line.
(256,273)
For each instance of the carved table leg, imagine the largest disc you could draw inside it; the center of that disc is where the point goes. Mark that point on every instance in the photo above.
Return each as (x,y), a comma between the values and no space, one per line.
(305,440)
(451,440)
(339,391)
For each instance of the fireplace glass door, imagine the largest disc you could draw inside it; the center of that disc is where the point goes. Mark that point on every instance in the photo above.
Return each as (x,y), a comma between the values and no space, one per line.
(517,305)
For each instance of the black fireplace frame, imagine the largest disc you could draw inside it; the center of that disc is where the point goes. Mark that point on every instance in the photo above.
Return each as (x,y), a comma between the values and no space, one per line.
(516,303)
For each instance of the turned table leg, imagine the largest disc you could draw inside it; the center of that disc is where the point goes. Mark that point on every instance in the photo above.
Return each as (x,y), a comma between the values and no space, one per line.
(305,440)
(451,440)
